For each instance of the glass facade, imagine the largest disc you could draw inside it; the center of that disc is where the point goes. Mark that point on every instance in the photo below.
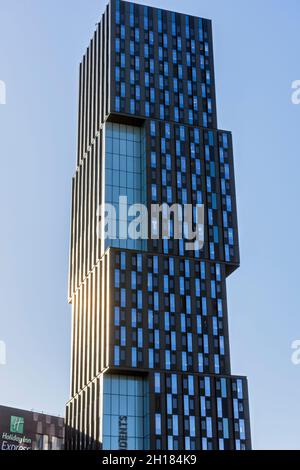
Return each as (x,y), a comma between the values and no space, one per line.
(125,413)
(125,176)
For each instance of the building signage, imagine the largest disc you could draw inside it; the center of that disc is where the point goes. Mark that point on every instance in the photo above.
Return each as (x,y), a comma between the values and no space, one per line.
(15,439)
(15,442)
(28,430)
(17,424)
(123,432)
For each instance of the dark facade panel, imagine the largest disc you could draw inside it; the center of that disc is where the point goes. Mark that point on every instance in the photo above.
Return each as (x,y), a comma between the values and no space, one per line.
(162,65)
(190,165)
(173,78)
(167,313)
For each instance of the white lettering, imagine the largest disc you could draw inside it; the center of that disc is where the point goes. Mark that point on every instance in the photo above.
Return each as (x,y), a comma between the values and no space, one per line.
(296,353)
(296,93)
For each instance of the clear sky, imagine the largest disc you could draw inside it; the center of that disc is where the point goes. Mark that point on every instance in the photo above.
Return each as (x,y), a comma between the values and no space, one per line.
(256,58)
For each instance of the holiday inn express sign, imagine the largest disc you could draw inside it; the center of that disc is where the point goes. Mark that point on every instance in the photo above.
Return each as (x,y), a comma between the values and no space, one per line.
(14,438)
(17,424)
(15,442)
(30,430)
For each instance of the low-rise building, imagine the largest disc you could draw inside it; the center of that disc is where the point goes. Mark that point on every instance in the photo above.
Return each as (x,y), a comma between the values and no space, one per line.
(30,430)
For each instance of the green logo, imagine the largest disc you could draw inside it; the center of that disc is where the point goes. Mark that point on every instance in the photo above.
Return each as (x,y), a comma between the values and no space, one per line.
(17,424)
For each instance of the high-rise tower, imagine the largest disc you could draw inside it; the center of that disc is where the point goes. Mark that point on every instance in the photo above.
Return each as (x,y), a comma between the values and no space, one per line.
(150,346)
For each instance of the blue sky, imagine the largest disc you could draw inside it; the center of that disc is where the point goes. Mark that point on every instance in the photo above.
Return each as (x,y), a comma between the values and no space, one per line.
(256,61)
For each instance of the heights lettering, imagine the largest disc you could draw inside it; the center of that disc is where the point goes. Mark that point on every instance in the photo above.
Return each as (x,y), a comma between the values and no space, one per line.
(123,433)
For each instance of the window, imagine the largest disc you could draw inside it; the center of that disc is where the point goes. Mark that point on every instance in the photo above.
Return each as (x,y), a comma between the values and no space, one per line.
(150,320)
(157,382)
(174,384)
(154,192)
(117,278)
(133,318)
(117,316)
(240,389)
(151,358)
(184,361)
(207,386)
(166,284)
(156,301)
(140,338)
(117,356)
(173,341)
(169,404)
(156,339)
(158,424)
(175,425)
(123,297)
(133,280)
(223,388)
(133,357)
(140,299)
(216,364)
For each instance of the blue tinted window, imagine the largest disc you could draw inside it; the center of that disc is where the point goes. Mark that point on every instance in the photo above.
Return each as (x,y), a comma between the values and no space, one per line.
(158,424)
(184,361)
(174,384)
(157,382)
(117,356)
(123,297)
(168,360)
(117,316)
(151,358)
(133,318)
(117,278)
(207,386)
(123,336)
(150,320)
(133,357)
